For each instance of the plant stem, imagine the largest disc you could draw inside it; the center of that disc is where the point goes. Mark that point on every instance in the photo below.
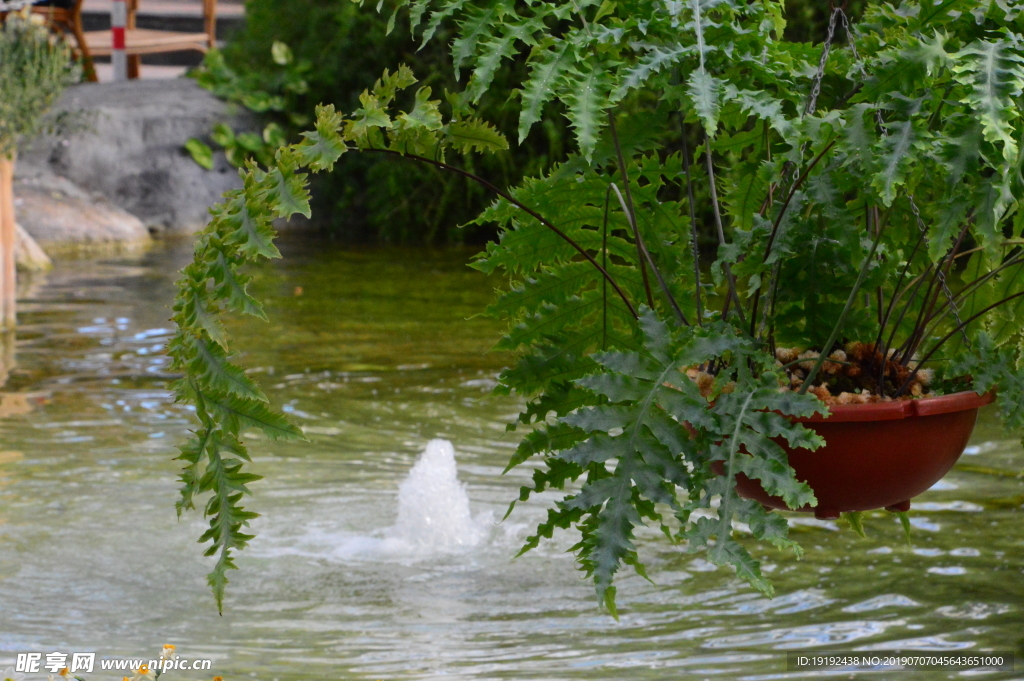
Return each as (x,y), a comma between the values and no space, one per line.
(842,317)
(526,209)
(949,335)
(693,222)
(630,212)
(896,291)
(789,197)
(733,295)
(946,308)
(604,264)
(778,221)
(645,254)
(929,302)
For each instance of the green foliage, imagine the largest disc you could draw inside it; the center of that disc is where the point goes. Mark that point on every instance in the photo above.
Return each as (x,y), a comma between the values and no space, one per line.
(666,440)
(201,152)
(226,400)
(855,519)
(863,192)
(328,51)
(35,67)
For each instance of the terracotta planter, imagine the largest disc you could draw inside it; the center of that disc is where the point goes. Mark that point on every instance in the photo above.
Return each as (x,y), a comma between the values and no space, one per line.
(878,455)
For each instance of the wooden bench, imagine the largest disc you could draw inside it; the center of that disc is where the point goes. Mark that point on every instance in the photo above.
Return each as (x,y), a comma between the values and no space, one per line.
(67,15)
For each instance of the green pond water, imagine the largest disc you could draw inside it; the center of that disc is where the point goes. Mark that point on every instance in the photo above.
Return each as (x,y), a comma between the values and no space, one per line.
(374,353)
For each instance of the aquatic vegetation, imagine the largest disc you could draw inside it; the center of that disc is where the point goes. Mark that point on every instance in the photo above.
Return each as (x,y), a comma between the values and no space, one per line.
(865,200)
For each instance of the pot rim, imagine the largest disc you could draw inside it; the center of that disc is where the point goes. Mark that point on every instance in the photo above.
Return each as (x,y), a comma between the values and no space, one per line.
(901,409)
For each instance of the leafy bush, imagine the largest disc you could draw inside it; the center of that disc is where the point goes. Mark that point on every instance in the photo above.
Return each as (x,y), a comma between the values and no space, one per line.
(35,67)
(291,56)
(865,200)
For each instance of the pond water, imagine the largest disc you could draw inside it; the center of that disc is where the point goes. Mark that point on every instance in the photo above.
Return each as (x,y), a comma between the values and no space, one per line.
(374,353)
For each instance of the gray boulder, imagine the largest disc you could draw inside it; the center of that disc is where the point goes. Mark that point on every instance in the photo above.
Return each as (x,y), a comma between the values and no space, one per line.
(29,256)
(131,149)
(67,221)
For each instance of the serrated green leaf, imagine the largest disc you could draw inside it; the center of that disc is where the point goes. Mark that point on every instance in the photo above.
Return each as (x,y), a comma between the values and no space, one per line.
(237,414)
(475,135)
(546,68)
(705,92)
(587,98)
(288,193)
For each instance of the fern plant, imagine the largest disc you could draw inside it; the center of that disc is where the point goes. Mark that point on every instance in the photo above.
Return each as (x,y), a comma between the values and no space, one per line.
(863,192)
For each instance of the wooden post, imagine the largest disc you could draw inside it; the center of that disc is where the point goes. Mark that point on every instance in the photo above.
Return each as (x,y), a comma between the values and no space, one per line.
(7,243)
(118,56)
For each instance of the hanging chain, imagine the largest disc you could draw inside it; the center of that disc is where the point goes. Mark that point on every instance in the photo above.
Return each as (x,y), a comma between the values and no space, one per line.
(910,197)
(837,14)
(812,103)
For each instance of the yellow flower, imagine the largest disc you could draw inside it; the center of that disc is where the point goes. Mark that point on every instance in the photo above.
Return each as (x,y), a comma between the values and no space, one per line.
(218,678)
(168,652)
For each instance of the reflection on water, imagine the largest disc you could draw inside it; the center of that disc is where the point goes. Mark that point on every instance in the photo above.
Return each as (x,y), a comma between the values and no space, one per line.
(376,357)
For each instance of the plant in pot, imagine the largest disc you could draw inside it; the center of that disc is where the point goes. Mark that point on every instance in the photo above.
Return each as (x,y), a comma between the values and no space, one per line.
(856,304)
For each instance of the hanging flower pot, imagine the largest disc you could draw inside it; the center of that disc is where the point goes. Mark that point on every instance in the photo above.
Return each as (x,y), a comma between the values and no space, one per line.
(878,455)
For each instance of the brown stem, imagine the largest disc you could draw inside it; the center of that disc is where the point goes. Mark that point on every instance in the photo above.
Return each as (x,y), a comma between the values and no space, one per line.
(789,197)
(778,221)
(896,291)
(630,212)
(721,231)
(949,335)
(693,222)
(929,301)
(646,255)
(947,307)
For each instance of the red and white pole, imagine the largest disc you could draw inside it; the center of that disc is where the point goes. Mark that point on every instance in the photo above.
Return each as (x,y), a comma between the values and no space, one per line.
(118,19)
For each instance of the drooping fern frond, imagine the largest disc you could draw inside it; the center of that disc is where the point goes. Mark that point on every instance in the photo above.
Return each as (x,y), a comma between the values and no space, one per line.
(994,72)
(675,447)
(226,400)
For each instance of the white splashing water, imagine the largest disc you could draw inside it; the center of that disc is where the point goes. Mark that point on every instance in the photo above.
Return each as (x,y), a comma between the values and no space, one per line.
(433,507)
(433,518)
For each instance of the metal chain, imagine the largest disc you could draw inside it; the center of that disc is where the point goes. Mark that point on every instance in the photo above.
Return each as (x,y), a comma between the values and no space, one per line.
(812,102)
(910,197)
(787,173)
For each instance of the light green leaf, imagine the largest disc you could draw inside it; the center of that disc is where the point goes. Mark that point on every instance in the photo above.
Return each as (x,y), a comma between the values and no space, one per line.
(475,135)
(546,68)
(201,153)
(281,53)
(704,91)
(587,99)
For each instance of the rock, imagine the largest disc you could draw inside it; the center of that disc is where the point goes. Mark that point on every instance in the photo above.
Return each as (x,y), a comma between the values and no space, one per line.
(132,149)
(29,256)
(67,221)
